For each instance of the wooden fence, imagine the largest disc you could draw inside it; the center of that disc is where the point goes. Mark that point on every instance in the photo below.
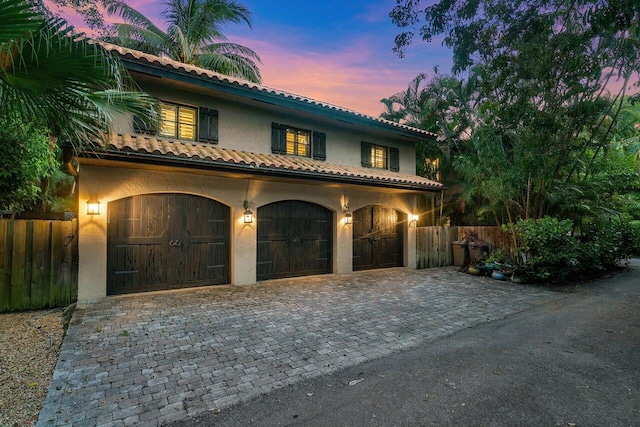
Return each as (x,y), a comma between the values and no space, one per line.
(38,264)
(433,244)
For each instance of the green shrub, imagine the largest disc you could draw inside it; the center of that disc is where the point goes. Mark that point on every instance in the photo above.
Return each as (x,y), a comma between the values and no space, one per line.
(606,242)
(548,252)
(26,157)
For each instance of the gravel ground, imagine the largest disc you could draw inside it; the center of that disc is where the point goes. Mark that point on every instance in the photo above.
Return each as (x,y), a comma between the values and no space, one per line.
(29,349)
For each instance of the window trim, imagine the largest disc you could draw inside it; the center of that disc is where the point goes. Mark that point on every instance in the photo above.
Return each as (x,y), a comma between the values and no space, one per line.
(296,132)
(177,134)
(141,127)
(316,148)
(391,156)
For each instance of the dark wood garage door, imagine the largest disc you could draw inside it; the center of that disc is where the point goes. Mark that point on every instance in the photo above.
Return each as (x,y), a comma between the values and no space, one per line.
(377,238)
(294,239)
(166,241)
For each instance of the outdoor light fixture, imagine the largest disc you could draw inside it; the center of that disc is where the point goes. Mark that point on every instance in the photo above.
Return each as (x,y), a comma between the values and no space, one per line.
(93,205)
(414,220)
(348,218)
(248,215)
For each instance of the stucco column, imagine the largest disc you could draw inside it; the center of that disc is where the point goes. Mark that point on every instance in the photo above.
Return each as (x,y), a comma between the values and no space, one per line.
(244,248)
(92,246)
(343,257)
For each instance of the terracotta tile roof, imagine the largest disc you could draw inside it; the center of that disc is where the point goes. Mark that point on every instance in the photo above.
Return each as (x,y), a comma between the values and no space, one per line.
(213,157)
(232,81)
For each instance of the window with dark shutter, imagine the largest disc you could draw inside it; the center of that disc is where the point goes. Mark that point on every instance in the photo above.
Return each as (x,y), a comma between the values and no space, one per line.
(208,131)
(319,146)
(278,138)
(144,127)
(366,154)
(394,159)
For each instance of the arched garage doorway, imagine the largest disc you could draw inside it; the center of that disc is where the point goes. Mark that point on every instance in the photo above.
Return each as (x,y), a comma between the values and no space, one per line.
(294,239)
(377,238)
(166,241)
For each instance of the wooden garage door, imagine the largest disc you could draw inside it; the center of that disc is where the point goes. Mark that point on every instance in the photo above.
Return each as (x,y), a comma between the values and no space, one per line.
(166,241)
(294,239)
(377,238)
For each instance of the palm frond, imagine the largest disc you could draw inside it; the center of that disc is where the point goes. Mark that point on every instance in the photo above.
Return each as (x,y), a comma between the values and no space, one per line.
(18,19)
(129,14)
(66,82)
(231,65)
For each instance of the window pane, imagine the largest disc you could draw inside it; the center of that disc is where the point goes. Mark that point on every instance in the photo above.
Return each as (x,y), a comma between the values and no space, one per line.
(298,142)
(187,117)
(168,116)
(291,142)
(379,157)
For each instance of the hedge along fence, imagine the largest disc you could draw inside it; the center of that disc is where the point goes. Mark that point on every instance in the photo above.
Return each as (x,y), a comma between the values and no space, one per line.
(434,244)
(38,264)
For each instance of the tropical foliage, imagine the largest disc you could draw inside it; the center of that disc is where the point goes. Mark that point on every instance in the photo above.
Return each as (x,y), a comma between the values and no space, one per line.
(532,128)
(55,81)
(193,36)
(53,76)
(539,117)
(26,159)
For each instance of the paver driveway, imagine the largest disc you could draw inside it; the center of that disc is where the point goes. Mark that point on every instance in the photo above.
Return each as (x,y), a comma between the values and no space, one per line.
(158,357)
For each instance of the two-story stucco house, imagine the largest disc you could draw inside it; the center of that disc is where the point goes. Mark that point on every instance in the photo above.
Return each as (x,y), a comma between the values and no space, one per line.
(240,183)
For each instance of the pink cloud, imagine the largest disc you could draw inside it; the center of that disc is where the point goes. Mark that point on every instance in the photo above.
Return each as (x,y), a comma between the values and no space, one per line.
(350,78)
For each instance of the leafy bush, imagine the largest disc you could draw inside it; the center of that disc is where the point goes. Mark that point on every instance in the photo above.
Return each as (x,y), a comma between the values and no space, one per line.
(606,242)
(547,249)
(550,252)
(26,157)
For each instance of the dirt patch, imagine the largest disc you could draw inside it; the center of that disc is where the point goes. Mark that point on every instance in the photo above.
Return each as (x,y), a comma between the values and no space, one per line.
(29,349)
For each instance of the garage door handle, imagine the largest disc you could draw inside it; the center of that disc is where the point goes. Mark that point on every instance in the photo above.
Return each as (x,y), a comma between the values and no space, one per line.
(375,238)
(295,239)
(177,243)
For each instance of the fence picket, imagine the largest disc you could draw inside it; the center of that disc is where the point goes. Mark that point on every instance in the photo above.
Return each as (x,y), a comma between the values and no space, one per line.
(6,251)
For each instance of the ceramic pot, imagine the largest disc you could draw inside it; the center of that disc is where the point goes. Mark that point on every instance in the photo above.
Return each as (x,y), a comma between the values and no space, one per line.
(498,275)
(475,271)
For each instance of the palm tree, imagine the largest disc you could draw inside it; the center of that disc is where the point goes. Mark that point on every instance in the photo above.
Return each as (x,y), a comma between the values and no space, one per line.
(193,35)
(55,77)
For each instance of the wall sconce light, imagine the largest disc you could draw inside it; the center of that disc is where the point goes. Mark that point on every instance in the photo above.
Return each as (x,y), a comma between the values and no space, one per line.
(248,215)
(348,218)
(93,205)
(413,220)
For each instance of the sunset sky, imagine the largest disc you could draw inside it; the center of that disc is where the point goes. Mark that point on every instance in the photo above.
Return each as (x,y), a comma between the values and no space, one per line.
(334,51)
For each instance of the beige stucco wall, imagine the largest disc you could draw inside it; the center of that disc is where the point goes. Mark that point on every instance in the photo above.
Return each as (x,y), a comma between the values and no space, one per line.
(248,127)
(112,182)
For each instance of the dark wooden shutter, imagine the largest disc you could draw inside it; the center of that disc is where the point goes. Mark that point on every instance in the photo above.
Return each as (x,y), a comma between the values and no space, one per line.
(278,138)
(208,131)
(319,146)
(144,127)
(394,159)
(366,154)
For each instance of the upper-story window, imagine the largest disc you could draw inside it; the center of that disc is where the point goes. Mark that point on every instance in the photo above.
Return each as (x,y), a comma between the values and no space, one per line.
(298,142)
(178,121)
(380,157)
(182,122)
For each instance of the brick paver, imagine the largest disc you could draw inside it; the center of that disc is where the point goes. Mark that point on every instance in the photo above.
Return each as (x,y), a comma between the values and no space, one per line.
(154,358)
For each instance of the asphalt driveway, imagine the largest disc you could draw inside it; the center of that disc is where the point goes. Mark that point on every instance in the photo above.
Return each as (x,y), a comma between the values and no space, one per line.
(155,358)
